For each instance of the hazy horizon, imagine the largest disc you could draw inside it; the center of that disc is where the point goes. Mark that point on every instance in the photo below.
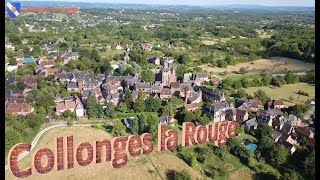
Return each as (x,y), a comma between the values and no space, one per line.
(306,3)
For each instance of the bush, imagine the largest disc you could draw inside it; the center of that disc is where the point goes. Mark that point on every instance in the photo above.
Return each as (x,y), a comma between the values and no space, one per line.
(303,93)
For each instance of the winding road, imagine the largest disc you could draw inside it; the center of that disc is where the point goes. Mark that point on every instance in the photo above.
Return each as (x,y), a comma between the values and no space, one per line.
(35,141)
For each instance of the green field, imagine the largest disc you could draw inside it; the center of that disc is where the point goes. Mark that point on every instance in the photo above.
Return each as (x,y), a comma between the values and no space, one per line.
(285,91)
(112,53)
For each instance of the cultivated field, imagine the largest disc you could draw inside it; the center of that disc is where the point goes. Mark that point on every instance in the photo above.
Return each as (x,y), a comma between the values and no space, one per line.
(273,65)
(285,91)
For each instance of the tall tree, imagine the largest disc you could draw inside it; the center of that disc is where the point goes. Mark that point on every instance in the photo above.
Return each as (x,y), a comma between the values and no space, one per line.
(147,75)
(152,104)
(142,123)
(95,55)
(260,94)
(139,105)
(135,126)
(278,155)
(128,99)
(91,106)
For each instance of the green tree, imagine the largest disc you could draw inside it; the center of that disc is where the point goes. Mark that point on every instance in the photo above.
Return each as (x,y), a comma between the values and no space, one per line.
(222,64)
(91,107)
(95,56)
(142,123)
(277,155)
(292,175)
(241,93)
(182,175)
(21,85)
(12,61)
(230,60)
(237,84)
(152,122)
(10,53)
(135,126)
(152,104)
(291,78)
(203,120)
(139,105)
(184,59)
(309,164)
(240,129)
(148,76)
(175,102)
(168,110)
(180,71)
(128,99)
(118,128)
(260,94)
(123,107)
(12,137)
(263,130)
(188,116)
(266,80)
(276,82)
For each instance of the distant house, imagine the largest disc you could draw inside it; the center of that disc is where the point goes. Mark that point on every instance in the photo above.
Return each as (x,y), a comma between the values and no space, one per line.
(70,103)
(134,95)
(237,114)
(70,56)
(278,104)
(274,104)
(154,59)
(164,119)
(118,46)
(142,87)
(216,81)
(113,98)
(257,101)
(199,78)
(268,116)
(276,135)
(49,118)
(29,81)
(304,131)
(289,146)
(191,107)
(10,68)
(212,95)
(217,111)
(165,93)
(46,63)
(72,87)
(250,125)
(17,108)
(125,57)
(249,106)
(169,59)
(146,47)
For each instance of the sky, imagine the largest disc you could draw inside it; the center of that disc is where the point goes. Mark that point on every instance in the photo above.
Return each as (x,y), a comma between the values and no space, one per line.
(209,2)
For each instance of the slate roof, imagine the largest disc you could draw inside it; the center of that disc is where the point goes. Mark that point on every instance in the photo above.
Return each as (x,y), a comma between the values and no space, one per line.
(194,97)
(276,134)
(72,85)
(143,85)
(134,94)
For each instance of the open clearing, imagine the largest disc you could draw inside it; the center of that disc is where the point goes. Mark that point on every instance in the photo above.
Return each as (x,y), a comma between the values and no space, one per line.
(285,91)
(273,65)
